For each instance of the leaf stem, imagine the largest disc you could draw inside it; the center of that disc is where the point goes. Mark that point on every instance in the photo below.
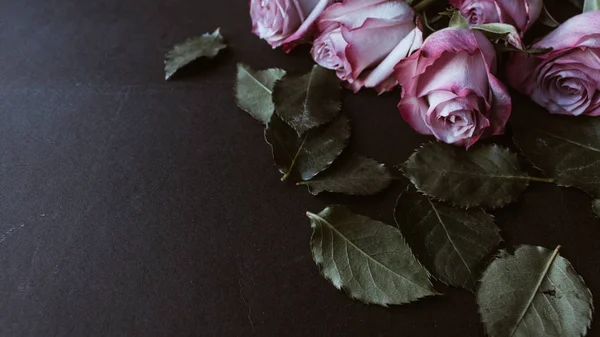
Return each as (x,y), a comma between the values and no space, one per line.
(314,216)
(287,174)
(540,179)
(537,288)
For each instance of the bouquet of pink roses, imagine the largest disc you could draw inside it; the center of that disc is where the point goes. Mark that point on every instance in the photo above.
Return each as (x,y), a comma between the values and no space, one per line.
(449,68)
(450,88)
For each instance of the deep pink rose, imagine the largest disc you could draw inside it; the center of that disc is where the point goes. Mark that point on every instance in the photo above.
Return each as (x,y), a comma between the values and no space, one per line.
(448,89)
(362,40)
(284,21)
(567,79)
(519,13)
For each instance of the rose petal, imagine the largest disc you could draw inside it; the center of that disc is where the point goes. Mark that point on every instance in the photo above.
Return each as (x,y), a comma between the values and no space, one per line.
(455,72)
(386,67)
(501,106)
(308,23)
(579,30)
(413,110)
(329,51)
(371,43)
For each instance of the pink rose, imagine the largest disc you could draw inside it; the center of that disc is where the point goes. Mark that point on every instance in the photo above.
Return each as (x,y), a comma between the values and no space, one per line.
(284,21)
(362,40)
(519,13)
(448,89)
(567,79)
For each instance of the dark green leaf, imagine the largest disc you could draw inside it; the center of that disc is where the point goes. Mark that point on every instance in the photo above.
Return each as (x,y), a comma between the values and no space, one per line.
(450,242)
(309,100)
(565,148)
(547,19)
(596,206)
(253,89)
(485,175)
(309,154)
(207,45)
(591,5)
(535,293)
(354,175)
(366,258)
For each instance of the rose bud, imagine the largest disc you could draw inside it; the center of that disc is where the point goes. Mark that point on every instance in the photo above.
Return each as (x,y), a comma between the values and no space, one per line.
(285,21)
(567,79)
(448,89)
(362,40)
(519,13)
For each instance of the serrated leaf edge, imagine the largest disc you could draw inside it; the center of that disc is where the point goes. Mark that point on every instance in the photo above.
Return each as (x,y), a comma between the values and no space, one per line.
(242,65)
(591,296)
(431,275)
(381,165)
(450,202)
(169,54)
(312,70)
(433,291)
(544,172)
(347,124)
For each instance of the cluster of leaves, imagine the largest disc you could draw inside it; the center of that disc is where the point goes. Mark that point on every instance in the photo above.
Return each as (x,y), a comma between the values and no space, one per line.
(307,130)
(441,218)
(443,230)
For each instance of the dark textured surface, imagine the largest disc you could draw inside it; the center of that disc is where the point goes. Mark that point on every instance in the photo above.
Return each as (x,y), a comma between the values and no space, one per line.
(134,207)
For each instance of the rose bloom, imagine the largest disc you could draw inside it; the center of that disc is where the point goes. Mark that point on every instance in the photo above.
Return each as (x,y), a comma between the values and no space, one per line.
(519,13)
(449,91)
(362,40)
(567,79)
(284,21)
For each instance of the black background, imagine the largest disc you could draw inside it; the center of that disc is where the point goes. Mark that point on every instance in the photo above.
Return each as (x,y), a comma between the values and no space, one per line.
(131,206)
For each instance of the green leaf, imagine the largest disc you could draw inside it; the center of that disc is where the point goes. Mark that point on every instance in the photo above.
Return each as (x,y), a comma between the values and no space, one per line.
(596,206)
(457,20)
(450,242)
(485,175)
(565,148)
(591,5)
(207,45)
(366,258)
(253,89)
(536,293)
(309,100)
(309,154)
(355,175)
(547,19)
(502,31)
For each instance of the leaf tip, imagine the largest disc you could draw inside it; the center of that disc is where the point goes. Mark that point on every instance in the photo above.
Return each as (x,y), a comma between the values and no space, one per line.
(311,215)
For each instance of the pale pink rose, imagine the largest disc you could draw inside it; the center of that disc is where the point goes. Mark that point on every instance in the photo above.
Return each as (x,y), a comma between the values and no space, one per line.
(449,90)
(362,40)
(281,22)
(519,13)
(566,80)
